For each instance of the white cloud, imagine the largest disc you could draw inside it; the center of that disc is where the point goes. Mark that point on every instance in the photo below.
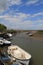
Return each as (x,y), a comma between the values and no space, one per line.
(16,15)
(40,21)
(35,2)
(18,21)
(21,21)
(38,14)
(39,24)
(28,24)
(32,2)
(4,4)
(22,15)
(12,2)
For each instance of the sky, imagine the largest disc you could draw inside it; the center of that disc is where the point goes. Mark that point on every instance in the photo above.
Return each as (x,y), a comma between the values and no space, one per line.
(22,14)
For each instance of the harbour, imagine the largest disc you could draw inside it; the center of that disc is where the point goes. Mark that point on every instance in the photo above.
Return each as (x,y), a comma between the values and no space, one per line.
(32,46)
(21,32)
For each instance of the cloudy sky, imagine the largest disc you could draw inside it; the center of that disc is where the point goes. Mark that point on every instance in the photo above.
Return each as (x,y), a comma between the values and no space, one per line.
(22,14)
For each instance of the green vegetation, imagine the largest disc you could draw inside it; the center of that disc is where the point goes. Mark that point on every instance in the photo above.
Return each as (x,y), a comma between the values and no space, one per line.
(40,31)
(11,31)
(3,28)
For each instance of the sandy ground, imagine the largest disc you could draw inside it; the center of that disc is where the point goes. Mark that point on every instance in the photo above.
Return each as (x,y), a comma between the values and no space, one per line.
(38,36)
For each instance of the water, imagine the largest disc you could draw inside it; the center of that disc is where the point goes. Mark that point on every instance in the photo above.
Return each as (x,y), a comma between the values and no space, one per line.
(33,46)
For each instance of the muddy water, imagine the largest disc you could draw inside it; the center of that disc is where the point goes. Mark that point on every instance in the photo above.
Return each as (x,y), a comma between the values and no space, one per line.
(34,47)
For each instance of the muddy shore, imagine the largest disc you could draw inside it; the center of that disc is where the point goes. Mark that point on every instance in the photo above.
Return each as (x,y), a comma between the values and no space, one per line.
(37,36)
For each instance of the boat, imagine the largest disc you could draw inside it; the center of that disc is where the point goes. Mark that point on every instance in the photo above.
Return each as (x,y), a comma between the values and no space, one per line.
(27,32)
(4,58)
(30,34)
(9,34)
(4,42)
(1,43)
(19,54)
(16,63)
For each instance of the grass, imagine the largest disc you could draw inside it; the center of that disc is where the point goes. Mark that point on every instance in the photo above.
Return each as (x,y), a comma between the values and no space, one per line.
(40,32)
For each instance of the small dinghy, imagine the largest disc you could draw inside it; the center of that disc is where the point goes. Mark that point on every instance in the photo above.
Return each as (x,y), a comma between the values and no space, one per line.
(19,54)
(9,34)
(4,42)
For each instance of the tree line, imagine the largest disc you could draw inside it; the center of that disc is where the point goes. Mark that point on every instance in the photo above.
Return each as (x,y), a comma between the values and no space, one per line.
(4,29)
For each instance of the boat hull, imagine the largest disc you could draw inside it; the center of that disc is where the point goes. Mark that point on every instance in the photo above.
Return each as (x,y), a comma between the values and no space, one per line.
(19,54)
(25,62)
(6,44)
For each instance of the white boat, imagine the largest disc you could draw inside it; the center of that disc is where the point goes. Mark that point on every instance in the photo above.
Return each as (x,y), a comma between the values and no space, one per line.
(4,42)
(19,54)
(9,34)
(30,34)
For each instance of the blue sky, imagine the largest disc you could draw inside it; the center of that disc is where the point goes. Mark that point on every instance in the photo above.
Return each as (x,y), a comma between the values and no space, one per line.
(22,14)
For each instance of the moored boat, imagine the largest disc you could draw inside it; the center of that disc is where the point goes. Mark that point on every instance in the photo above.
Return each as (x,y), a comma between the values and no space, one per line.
(4,42)
(19,54)
(30,34)
(9,34)
(1,43)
